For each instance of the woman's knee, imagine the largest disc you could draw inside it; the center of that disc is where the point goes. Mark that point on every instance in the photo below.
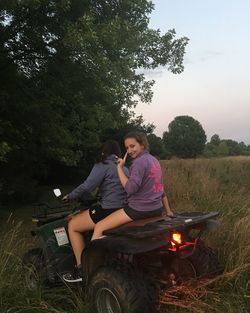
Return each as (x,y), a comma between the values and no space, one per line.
(75,223)
(98,226)
(81,223)
(71,226)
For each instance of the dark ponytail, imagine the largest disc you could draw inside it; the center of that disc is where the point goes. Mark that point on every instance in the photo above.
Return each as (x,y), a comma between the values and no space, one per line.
(108,148)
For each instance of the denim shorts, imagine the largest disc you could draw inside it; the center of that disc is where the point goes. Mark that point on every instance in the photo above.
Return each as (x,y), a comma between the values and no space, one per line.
(138,215)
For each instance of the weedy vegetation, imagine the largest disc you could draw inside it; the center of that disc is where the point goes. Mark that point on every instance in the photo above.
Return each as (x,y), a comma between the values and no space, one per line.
(221,185)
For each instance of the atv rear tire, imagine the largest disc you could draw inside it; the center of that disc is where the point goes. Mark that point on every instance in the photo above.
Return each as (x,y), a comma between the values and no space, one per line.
(205,261)
(181,270)
(122,290)
(34,266)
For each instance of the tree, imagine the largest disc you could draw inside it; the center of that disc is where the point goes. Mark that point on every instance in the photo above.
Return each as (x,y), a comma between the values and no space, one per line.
(210,150)
(213,147)
(243,149)
(69,70)
(215,140)
(233,147)
(157,147)
(222,149)
(185,137)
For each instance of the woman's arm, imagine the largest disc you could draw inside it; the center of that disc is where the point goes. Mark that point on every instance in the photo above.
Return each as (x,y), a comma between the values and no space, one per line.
(123,178)
(91,183)
(166,206)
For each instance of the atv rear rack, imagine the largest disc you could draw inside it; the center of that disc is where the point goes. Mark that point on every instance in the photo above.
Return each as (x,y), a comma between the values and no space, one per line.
(160,225)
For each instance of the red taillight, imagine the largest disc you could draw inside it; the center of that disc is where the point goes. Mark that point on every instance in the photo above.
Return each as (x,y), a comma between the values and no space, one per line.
(176,239)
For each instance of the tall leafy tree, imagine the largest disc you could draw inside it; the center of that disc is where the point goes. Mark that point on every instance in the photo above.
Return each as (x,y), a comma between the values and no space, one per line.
(185,137)
(215,140)
(157,147)
(71,69)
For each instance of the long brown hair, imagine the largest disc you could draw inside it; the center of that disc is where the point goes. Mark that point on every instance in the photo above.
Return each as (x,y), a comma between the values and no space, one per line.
(140,137)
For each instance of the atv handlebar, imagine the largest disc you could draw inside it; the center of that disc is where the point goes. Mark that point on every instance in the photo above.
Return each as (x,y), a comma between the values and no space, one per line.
(45,213)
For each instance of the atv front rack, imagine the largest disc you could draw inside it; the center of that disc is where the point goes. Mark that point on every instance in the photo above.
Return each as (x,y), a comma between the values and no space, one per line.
(45,214)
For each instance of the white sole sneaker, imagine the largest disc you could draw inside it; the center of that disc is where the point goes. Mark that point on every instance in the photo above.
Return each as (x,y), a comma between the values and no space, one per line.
(69,279)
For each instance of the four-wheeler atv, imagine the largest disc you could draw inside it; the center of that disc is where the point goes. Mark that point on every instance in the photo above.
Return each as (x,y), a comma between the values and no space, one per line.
(124,270)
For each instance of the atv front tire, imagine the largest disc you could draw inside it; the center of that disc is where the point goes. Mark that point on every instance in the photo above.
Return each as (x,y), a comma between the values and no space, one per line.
(120,290)
(34,274)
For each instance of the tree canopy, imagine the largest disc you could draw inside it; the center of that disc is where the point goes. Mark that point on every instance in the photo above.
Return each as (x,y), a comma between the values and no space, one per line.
(70,69)
(185,137)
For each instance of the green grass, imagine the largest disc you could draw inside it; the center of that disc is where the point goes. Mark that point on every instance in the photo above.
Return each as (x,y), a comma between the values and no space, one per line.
(15,297)
(221,185)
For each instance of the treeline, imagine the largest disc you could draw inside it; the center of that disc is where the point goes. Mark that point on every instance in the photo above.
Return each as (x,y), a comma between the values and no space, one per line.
(218,148)
(186,138)
(225,147)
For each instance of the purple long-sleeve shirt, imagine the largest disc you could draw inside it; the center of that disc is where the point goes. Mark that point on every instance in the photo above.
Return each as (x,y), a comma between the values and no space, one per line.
(144,186)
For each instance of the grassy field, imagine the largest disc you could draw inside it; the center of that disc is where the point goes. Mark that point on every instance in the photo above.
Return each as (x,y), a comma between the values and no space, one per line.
(221,185)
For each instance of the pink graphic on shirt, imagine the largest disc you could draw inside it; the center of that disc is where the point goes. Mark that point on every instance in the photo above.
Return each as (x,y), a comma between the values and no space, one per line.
(155,174)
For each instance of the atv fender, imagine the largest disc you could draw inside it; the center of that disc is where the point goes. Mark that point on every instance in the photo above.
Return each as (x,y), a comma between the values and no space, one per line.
(99,252)
(212,225)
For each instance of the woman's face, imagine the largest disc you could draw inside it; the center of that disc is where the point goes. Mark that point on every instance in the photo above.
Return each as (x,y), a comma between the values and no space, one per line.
(133,147)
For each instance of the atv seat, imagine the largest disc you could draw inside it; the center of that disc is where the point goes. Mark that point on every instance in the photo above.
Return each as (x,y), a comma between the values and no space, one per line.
(145,221)
(136,224)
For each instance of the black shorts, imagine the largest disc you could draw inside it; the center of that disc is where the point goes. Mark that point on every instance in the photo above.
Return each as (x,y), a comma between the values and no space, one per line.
(97,213)
(138,215)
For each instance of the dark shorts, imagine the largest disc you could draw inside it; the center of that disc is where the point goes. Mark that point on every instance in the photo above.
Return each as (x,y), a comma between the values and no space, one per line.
(97,213)
(138,215)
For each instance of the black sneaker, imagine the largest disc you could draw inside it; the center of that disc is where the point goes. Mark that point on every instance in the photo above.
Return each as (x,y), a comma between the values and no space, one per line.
(74,276)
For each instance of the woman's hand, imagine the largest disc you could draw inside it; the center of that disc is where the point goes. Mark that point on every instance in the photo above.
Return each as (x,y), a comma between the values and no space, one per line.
(170,213)
(65,198)
(121,162)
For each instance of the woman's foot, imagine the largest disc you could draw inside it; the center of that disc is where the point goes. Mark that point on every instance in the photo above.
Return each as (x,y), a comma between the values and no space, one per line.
(74,276)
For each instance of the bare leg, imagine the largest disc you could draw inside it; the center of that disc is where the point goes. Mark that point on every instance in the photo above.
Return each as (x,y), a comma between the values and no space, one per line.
(115,219)
(76,227)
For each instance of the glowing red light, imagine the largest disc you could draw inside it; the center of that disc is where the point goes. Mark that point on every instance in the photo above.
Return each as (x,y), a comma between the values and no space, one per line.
(176,239)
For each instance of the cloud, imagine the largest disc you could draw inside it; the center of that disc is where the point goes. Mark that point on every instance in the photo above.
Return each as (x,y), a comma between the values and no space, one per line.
(209,54)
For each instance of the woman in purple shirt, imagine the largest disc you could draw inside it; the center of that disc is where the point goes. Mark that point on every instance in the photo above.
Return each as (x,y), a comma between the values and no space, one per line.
(144,186)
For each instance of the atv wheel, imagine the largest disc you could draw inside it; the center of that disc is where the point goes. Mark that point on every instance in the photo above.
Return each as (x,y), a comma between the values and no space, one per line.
(33,262)
(181,270)
(205,261)
(120,291)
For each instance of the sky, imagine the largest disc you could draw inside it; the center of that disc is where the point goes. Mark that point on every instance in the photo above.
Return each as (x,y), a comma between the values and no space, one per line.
(215,85)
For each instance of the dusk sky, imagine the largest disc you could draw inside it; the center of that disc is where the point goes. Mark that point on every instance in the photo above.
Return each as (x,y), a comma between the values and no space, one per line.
(215,85)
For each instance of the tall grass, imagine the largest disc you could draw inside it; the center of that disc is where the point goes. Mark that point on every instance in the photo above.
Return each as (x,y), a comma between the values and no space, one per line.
(221,185)
(15,297)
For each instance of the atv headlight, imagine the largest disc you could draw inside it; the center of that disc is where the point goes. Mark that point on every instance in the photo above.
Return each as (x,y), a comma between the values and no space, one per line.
(35,221)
